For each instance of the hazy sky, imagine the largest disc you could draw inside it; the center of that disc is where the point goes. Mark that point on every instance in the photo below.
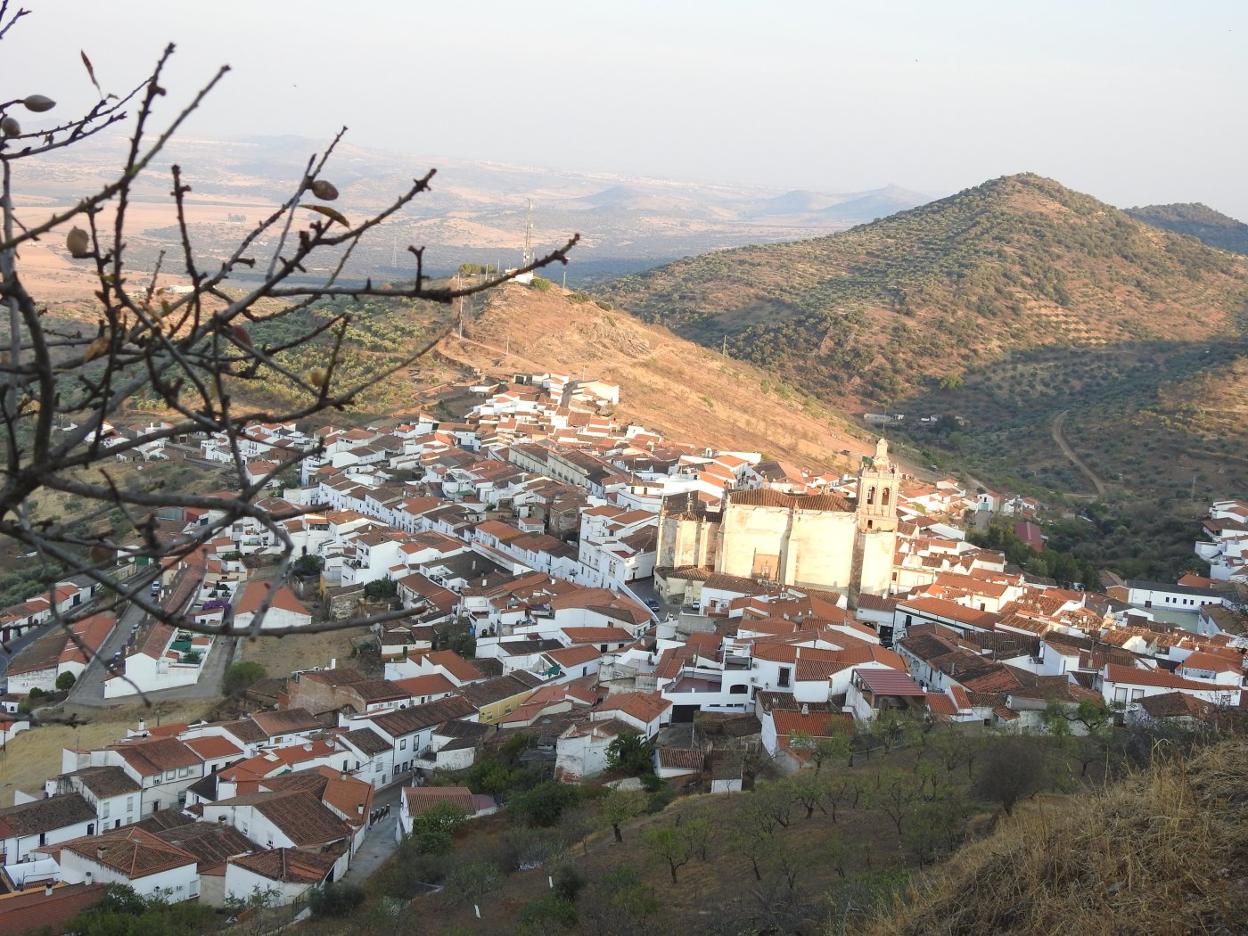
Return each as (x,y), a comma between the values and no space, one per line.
(1133,102)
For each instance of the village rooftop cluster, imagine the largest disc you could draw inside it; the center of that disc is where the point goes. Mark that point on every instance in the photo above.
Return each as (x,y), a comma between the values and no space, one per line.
(612,582)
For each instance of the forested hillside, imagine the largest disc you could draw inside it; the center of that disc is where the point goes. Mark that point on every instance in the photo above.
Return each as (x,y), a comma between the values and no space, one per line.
(1001,308)
(1198,221)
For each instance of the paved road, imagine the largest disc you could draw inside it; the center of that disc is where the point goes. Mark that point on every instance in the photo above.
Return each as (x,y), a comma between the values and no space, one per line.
(89,690)
(13,647)
(380,843)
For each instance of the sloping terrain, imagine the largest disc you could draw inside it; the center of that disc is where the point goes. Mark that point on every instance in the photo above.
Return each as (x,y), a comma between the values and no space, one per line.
(999,308)
(1016,263)
(1164,852)
(1198,221)
(689,393)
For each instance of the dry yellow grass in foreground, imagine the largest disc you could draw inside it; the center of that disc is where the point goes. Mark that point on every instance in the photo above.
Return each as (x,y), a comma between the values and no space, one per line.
(1162,852)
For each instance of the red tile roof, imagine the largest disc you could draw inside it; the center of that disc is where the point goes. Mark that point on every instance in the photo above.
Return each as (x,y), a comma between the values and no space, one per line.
(290,865)
(256,591)
(643,706)
(131,851)
(887,682)
(420,686)
(214,747)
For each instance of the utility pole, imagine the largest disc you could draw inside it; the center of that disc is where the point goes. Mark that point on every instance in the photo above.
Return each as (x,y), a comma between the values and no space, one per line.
(460,322)
(724,348)
(528,237)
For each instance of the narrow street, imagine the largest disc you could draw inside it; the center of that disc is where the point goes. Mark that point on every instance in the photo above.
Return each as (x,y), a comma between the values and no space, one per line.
(89,689)
(13,647)
(380,842)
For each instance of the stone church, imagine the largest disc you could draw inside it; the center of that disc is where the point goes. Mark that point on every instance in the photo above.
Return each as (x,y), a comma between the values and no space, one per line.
(816,540)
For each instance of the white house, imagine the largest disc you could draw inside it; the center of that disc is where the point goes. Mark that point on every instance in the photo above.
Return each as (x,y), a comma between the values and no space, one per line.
(32,824)
(285,873)
(420,799)
(1128,686)
(115,795)
(285,610)
(132,856)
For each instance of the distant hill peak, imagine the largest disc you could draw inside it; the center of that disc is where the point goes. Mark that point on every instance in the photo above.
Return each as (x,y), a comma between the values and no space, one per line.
(1198,220)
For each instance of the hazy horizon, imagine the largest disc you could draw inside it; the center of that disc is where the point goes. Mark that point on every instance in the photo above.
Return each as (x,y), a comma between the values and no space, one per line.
(1132,103)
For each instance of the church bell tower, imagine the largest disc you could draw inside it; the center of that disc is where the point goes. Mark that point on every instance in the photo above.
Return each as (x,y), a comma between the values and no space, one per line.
(878,486)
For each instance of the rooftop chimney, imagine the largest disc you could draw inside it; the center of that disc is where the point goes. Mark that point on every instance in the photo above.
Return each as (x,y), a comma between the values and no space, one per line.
(307,745)
(805,709)
(47,889)
(99,852)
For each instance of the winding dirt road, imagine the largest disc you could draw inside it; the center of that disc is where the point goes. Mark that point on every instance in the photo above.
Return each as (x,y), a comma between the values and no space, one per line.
(1056,430)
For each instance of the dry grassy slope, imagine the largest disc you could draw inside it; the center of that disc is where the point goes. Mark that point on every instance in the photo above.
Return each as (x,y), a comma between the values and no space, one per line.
(1016,263)
(685,391)
(1164,852)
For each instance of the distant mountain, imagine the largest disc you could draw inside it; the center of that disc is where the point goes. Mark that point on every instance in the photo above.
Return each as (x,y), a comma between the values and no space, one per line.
(870,206)
(838,209)
(1005,305)
(476,211)
(1198,221)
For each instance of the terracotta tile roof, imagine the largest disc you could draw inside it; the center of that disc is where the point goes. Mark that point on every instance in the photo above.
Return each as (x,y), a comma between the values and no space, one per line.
(462,669)
(814,724)
(1134,676)
(567,657)
(348,796)
(287,865)
(246,731)
(1177,705)
(490,691)
(214,747)
(644,706)
(597,635)
(33,911)
(432,684)
(422,799)
(210,842)
(1201,660)
(367,741)
(883,682)
(151,756)
(106,781)
(255,593)
(769,497)
(877,602)
(681,759)
(131,851)
(287,721)
(940,704)
(301,816)
(418,717)
(950,610)
(44,815)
